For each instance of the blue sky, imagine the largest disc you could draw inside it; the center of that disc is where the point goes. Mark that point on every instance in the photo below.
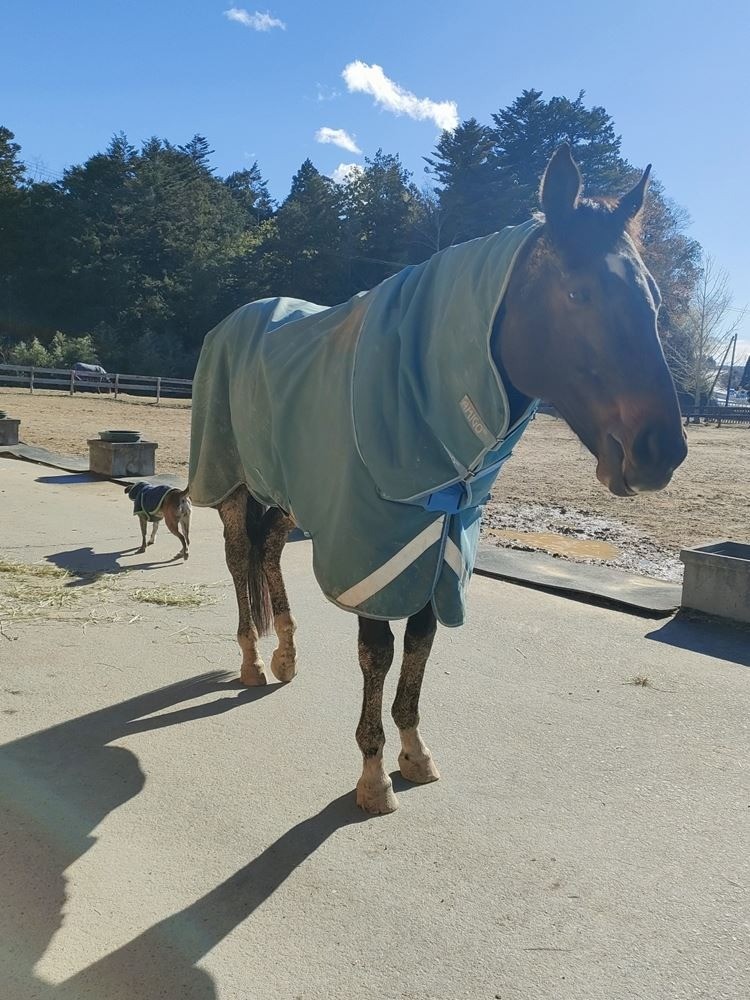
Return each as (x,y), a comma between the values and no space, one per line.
(675,78)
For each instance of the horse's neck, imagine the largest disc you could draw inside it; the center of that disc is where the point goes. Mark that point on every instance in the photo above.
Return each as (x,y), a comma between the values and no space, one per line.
(518,403)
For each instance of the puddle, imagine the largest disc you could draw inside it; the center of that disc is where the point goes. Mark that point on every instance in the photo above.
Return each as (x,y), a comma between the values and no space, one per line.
(558,545)
(573,533)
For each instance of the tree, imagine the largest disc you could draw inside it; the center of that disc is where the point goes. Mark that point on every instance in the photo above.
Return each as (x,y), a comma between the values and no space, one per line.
(468,175)
(12,174)
(705,332)
(527,133)
(251,191)
(309,238)
(380,206)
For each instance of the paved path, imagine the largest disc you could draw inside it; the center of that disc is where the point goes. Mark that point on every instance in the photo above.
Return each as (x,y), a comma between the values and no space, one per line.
(166,834)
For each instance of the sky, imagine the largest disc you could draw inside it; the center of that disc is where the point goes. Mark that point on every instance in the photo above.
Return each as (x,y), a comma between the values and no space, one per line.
(335,81)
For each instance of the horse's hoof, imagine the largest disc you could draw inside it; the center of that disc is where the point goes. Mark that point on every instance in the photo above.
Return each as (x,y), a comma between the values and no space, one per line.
(420,770)
(377,799)
(253,676)
(284,665)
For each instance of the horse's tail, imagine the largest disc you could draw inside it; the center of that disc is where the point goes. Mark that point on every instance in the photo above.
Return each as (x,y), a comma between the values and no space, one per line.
(257,584)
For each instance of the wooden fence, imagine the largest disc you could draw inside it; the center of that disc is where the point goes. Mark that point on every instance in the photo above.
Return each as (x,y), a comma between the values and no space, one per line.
(33,378)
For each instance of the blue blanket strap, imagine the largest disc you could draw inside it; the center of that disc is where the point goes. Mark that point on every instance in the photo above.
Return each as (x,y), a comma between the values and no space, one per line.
(474,490)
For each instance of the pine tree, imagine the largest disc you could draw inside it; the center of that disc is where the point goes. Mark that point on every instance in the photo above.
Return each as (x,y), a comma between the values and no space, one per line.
(527,133)
(309,238)
(466,169)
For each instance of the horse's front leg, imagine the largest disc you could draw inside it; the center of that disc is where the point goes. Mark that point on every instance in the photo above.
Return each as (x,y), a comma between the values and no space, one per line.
(415,760)
(374,789)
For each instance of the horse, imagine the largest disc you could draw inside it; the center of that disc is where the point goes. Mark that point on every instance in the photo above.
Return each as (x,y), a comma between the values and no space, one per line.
(438,370)
(94,376)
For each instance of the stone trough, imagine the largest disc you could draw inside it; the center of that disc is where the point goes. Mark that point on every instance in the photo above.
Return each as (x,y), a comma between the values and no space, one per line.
(717,580)
(9,430)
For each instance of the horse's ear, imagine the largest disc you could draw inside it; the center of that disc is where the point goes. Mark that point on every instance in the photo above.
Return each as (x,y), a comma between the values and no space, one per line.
(631,203)
(561,186)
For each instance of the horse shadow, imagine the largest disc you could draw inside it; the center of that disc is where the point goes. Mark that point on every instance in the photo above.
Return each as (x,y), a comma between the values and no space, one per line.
(59,785)
(86,566)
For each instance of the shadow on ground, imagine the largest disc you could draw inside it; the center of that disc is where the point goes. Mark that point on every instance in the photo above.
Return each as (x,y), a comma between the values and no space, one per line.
(722,639)
(59,784)
(86,566)
(72,479)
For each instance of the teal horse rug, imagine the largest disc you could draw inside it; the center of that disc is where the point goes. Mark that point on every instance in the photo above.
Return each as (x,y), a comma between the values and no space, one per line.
(379,425)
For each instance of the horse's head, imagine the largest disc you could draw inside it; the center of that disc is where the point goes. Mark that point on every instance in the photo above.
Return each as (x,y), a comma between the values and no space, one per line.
(579,330)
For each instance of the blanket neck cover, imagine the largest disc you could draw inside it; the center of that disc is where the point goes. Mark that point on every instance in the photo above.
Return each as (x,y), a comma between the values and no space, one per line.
(379,425)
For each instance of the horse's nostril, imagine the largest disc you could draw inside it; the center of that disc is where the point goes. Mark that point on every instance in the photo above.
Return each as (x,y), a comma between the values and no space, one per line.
(647,448)
(656,449)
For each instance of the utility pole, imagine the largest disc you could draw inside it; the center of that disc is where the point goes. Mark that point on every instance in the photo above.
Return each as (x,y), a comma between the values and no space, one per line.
(731,369)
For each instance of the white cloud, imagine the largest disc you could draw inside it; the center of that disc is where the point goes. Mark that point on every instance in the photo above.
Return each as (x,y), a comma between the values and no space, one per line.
(337,137)
(256,21)
(345,171)
(366,79)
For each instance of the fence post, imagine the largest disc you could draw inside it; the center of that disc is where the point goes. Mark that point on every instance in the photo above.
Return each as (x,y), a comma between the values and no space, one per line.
(117,384)
(72,381)
(31,381)
(158,390)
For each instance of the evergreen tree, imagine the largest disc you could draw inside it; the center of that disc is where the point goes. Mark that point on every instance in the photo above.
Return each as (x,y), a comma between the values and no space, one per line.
(381,206)
(309,238)
(466,169)
(527,133)
(251,191)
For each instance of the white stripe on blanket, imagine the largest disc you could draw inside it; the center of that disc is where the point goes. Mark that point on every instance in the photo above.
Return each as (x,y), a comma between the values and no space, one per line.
(396,565)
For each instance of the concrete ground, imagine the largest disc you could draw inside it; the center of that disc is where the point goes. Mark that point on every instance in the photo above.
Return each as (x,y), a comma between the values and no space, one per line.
(167,834)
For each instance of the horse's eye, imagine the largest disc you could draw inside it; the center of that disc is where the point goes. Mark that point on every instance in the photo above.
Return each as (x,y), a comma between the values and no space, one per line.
(579,295)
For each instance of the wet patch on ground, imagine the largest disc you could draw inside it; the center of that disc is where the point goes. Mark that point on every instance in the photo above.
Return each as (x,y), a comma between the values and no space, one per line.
(580,535)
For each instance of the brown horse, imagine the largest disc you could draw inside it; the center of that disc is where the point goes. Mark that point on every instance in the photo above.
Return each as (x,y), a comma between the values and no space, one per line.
(577,327)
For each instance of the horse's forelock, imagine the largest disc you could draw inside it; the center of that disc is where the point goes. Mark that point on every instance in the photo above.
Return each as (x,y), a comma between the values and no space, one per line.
(592,231)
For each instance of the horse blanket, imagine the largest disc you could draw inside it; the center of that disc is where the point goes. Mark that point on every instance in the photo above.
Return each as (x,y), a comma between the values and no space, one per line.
(379,425)
(148,500)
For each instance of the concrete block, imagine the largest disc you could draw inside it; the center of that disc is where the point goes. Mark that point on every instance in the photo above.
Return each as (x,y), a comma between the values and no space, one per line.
(9,430)
(118,459)
(717,580)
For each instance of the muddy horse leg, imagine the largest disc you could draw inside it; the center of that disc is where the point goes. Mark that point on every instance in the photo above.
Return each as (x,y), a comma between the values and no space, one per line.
(415,760)
(374,789)
(277,526)
(243,564)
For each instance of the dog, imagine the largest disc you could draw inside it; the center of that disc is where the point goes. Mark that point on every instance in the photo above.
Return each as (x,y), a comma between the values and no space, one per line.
(156,503)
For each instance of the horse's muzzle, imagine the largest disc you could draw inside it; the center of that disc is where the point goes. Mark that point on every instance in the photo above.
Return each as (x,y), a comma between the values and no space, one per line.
(642,463)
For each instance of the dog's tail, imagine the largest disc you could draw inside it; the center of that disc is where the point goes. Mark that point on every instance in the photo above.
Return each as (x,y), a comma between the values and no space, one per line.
(183,503)
(257,585)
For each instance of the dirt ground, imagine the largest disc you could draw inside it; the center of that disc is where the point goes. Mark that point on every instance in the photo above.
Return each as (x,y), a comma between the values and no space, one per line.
(547,497)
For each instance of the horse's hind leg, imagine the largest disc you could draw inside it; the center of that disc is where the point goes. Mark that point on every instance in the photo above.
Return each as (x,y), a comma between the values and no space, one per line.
(277,526)
(415,760)
(374,789)
(237,546)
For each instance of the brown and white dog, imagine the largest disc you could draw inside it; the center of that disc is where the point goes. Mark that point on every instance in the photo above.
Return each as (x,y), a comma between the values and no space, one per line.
(157,503)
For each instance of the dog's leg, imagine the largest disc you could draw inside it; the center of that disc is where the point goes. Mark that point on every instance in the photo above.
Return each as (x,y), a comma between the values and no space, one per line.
(153,532)
(174,521)
(237,547)
(143,523)
(277,526)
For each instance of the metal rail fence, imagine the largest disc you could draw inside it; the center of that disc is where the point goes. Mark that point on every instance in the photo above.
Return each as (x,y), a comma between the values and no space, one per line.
(75,381)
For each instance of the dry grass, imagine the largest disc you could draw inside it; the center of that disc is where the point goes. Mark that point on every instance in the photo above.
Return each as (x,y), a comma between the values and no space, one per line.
(195,596)
(38,592)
